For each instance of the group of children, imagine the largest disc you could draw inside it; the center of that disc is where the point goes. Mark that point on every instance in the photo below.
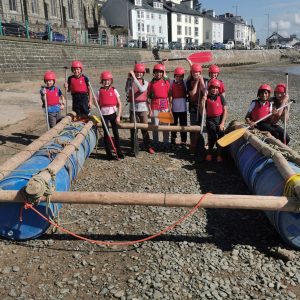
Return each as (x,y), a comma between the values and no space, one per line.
(204,98)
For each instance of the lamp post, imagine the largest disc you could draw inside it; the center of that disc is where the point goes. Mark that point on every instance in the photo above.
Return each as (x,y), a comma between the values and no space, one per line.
(236,7)
(268,15)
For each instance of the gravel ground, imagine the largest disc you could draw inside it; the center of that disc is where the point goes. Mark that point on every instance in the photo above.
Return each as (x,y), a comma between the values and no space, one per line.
(215,254)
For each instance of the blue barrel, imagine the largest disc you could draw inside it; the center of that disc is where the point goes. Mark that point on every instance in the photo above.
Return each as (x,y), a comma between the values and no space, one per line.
(262,177)
(17,223)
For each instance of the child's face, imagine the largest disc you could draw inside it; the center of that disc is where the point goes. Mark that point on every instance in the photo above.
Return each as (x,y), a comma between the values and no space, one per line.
(279,96)
(106,82)
(196,75)
(214,90)
(76,71)
(49,83)
(214,75)
(139,75)
(158,74)
(264,95)
(179,78)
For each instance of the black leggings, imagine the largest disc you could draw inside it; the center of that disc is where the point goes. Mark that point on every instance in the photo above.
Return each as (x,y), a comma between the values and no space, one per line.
(213,131)
(112,120)
(182,117)
(275,130)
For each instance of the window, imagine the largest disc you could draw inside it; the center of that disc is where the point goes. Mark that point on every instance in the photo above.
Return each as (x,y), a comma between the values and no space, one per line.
(190,19)
(196,20)
(178,18)
(160,29)
(142,14)
(158,5)
(138,26)
(196,31)
(179,40)
(153,29)
(12,5)
(54,8)
(196,41)
(179,30)
(207,35)
(185,30)
(34,6)
(142,27)
(147,15)
(148,28)
(186,19)
(138,2)
(70,9)
(152,16)
(138,14)
(190,30)
(159,16)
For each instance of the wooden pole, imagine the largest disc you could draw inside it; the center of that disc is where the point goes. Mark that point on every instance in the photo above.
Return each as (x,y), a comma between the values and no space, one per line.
(27,152)
(254,202)
(34,186)
(151,127)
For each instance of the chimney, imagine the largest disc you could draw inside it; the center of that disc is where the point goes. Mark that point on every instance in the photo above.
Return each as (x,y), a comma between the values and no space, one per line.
(211,13)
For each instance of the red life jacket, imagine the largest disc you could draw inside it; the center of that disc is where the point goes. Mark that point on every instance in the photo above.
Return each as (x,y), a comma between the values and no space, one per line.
(52,96)
(178,90)
(259,111)
(107,97)
(214,108)
(138,96)
(194,98)
(158,91)
(78,85)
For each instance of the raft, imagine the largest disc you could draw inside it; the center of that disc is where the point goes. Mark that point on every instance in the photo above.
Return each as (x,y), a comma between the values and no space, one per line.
(17,223)
(263,176)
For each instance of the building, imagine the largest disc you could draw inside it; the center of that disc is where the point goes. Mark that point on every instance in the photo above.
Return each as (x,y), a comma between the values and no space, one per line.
(213,28)
(276,40)
(145,21)
(185,24)
(73,16)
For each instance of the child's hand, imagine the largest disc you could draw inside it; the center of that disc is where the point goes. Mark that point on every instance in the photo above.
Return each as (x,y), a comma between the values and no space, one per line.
(118,119)
(66,85)
(222,126)
(62,106)
(90,104)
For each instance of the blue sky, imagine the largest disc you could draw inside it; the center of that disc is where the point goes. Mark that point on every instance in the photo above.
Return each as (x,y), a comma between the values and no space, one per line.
(284,15)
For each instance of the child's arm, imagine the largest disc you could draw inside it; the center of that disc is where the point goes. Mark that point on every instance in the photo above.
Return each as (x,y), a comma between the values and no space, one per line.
(90,94)
(43,96)
(224,118)
(118,119)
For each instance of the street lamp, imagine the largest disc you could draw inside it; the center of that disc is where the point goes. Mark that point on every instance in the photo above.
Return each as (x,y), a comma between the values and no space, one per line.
(236,7)
(268,15)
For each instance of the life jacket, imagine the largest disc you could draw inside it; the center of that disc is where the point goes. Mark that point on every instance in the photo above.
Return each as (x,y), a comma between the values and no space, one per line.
(158,92)
(78,85)
(194,99)
(214,108)
(138,96)
(259,111)
(107,97)
(52,96)
(178,89)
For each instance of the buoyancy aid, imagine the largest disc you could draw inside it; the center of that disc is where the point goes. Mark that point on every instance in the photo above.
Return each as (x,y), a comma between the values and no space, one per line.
(178,89)
(259,111)
(107,97)
(78,85)
(214,108)
(52,96)
(158,92)
(195,98)
(138,96)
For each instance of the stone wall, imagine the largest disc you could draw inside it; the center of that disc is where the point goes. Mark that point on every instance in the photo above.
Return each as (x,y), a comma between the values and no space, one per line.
(23,59)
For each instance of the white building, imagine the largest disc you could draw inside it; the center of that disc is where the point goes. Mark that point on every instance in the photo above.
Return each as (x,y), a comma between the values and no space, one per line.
(213,28)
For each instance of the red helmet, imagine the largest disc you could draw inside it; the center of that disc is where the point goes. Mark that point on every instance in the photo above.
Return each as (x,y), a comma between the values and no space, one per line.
(265,87)
(214,82)
(280,88)
(76,64)
(179,71)
(214,69)
(140,68)
(49,75)
(106,75)
(159,67)
(196,68)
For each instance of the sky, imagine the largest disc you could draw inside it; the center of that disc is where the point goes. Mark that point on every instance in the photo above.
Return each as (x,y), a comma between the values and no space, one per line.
(283,15)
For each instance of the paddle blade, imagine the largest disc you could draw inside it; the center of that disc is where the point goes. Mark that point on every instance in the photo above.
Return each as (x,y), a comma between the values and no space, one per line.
(231,137)
(165,117)
(201,57)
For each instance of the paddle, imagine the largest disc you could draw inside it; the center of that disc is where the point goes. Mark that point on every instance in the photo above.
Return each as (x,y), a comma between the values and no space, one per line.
(135,134)
(66,68)
(286,112)
(46,106)
(236,134)
(165,117)
(198,57)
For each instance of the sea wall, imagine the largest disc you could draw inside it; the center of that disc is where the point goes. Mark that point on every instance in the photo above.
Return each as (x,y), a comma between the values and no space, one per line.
(23,59)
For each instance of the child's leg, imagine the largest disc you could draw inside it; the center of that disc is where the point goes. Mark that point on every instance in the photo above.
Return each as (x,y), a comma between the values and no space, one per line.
(183,122)
(211,127)
(143,118)
(173,133)
(131,130)
(106,137)
(155,121)
(52,119)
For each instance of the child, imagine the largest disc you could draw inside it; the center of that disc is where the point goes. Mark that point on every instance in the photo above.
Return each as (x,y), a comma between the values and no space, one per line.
(214,72)
(79,86)
(216,115)
(137,86)
(280,98)
(196,91)
(53,98)
(159,97)
(111,109)
(178,104)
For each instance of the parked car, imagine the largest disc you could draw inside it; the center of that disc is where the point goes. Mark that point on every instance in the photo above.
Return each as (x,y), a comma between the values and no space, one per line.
(162,45)
(229,45)
(16,29)
(190,46)
(205,46)
(175,46)
(56,36)
(218,46)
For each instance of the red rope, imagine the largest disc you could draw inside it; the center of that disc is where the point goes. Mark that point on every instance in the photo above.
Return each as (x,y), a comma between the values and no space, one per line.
(30,206)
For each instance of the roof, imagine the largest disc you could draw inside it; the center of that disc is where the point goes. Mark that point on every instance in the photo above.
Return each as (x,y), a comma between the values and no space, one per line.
(182,8)
(232,19)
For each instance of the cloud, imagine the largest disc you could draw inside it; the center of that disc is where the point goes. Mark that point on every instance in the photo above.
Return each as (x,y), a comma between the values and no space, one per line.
(297,19)
(281,25)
